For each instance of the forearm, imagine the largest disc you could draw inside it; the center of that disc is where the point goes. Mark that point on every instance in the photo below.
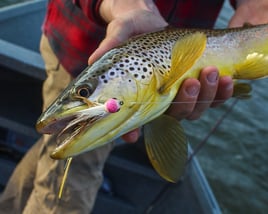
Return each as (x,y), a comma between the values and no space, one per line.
(250,11)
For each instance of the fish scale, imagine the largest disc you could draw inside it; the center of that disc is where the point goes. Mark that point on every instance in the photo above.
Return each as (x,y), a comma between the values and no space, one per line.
(142,76)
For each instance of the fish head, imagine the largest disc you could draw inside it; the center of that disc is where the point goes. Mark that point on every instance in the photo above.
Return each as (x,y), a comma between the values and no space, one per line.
(81,116)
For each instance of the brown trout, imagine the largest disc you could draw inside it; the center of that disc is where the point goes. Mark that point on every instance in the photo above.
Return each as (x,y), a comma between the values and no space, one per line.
(133,85)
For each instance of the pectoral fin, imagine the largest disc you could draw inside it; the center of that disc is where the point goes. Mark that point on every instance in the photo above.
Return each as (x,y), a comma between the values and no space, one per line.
(166,146)
(242,90)
(185,53)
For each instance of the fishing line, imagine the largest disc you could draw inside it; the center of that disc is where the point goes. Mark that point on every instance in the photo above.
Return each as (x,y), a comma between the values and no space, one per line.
(214,128)
(187,102)
(181,102)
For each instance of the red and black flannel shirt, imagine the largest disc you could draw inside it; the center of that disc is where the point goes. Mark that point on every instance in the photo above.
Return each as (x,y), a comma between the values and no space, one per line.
(75,29)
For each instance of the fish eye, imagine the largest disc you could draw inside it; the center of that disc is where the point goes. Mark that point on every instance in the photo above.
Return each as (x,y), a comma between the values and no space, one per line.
(84,91)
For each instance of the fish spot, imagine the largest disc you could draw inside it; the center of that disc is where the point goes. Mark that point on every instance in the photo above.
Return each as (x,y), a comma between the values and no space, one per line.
(112,73)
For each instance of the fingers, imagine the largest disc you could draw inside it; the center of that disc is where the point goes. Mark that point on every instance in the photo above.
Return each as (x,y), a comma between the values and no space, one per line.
(224,92)
(209,79)
(194,96)
(132,136)
(185,100)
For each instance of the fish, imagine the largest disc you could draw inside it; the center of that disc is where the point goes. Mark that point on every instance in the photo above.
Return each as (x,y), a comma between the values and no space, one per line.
(133,84)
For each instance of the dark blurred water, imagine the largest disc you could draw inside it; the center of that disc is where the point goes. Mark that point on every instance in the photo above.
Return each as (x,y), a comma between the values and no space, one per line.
(235,157)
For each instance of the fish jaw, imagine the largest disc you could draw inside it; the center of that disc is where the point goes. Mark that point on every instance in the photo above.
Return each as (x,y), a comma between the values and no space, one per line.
(85,135)
(56,117)
(71,127)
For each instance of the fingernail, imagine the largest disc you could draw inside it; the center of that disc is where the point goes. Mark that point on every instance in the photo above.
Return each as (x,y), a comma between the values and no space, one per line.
(212,77)
(134,136)
(192,91)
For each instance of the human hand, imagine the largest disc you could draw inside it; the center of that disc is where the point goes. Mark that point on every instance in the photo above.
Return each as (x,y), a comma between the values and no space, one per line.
(250,11)
(133,17)
(126,18)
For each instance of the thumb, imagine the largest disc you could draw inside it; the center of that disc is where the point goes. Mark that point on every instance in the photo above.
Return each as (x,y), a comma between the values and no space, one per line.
(121,29)
(116,33)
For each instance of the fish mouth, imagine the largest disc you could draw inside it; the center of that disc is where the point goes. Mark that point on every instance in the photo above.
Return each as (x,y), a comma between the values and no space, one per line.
(68,126)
